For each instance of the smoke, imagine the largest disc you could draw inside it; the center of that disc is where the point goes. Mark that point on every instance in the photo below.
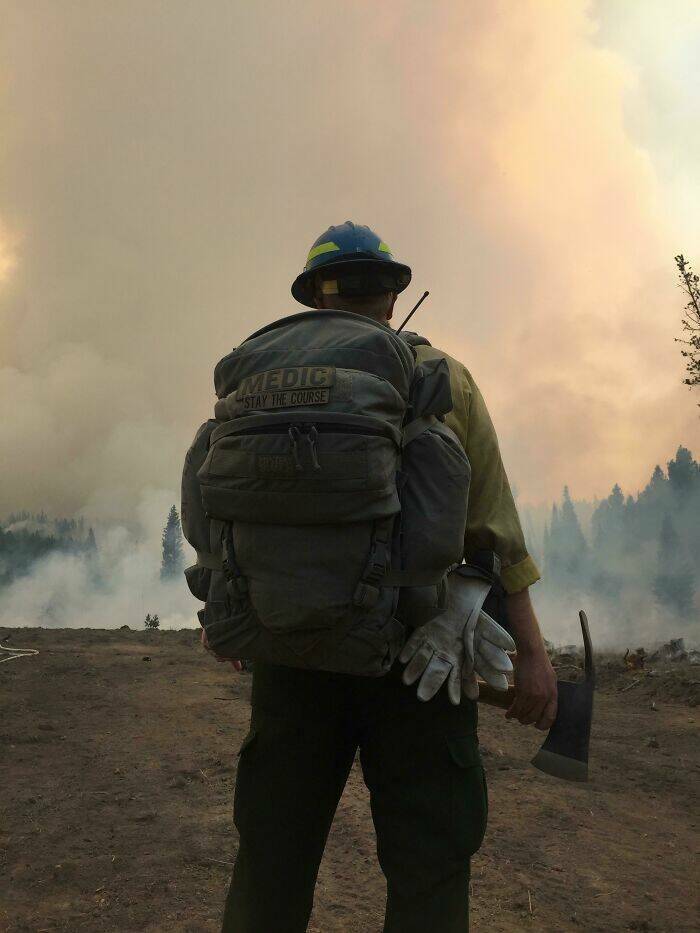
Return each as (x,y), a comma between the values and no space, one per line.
(165,167)
(637,621)
(8,259)
(118,586)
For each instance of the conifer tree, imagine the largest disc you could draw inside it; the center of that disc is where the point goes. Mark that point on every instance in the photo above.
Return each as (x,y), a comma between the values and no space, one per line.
(576,543)
(673,584)
(551,562)
(171,565)
(89,549)
(683,471)
(690,283)
(607,522)
(566,544)
(657,483)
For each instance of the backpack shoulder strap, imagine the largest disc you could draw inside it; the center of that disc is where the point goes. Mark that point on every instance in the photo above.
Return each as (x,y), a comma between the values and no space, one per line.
(414,340)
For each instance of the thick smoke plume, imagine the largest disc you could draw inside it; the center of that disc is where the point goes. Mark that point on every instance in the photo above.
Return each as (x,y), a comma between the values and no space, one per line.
(166,165)
(117,585)
(164,170)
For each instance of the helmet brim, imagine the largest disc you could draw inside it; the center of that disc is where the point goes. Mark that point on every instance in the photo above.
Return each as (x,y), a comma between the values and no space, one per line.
(303,285)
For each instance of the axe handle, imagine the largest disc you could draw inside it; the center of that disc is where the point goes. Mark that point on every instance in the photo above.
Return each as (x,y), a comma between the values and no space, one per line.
(500,698)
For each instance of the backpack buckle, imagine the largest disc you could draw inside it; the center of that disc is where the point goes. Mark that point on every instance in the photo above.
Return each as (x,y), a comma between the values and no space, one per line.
(367,592)
(366,596)
(377,563)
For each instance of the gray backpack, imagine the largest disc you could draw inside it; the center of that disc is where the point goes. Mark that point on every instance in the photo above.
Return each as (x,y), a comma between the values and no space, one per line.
(327,499)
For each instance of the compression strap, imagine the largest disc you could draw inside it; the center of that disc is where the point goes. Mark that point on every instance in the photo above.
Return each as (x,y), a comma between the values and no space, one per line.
(417,427)
(210,561)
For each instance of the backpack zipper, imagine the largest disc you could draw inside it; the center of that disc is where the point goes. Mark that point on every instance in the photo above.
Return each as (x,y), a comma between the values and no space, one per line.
(324,423)
(309,432)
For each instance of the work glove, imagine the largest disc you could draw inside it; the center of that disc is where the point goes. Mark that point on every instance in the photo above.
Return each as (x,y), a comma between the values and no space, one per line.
(435,652)
(485,646)
(459,644)
(485,641)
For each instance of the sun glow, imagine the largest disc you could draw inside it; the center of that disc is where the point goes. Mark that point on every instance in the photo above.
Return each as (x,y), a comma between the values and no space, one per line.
(8,256)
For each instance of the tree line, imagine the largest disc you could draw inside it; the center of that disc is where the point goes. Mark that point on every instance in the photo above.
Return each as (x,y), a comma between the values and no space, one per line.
(649,542)
(28,537)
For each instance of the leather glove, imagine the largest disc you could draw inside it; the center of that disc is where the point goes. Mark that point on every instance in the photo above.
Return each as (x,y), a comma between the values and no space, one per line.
(435,652)
(486,644)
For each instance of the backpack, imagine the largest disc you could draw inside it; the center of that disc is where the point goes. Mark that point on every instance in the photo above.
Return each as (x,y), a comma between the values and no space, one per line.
(327,499)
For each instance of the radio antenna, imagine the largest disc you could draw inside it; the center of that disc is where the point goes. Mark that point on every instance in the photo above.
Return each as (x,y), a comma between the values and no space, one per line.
(413,311)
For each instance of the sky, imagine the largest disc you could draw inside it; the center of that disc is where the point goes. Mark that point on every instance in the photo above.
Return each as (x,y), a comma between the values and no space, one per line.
(166,165)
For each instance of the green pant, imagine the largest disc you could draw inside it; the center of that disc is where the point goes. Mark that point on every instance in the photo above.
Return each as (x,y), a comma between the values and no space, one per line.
(421,764)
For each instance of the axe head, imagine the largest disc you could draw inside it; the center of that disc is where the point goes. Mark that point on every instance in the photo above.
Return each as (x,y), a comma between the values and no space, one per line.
(565,750)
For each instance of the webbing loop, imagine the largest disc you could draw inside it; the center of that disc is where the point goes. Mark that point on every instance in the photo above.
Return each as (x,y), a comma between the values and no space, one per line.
(235,581)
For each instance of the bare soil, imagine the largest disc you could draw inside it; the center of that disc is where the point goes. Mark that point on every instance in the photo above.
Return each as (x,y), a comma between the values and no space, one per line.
(118,762)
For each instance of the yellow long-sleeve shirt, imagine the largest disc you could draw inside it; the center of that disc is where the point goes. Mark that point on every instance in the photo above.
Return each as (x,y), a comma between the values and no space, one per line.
(492,518)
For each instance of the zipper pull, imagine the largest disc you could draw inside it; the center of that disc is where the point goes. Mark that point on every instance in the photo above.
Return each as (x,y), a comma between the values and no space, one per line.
(313,437)
(294,434)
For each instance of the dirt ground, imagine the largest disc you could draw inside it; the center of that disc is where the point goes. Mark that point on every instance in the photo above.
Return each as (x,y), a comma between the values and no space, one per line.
(118,759)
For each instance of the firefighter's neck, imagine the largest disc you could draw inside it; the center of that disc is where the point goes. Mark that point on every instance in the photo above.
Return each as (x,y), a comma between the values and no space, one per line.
(379,308)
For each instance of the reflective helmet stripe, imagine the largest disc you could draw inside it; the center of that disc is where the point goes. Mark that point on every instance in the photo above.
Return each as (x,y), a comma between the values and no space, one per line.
(321,248)
(383,248)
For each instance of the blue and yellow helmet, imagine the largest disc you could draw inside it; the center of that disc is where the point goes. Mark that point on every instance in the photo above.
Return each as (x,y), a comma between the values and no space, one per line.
(354,262)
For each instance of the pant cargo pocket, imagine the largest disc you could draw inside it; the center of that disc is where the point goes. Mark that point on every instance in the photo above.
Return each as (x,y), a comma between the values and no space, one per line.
(468,794)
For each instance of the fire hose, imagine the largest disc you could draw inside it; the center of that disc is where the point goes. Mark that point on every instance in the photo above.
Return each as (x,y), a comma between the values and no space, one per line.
(15,653)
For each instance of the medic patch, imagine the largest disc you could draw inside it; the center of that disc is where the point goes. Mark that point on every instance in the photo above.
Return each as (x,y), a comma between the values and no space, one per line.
(287,388)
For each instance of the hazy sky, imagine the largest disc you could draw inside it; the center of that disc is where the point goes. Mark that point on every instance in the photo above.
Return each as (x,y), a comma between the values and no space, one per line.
(165,166)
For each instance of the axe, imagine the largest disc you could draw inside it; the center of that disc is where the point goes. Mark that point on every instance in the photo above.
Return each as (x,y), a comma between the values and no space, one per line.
(565,750)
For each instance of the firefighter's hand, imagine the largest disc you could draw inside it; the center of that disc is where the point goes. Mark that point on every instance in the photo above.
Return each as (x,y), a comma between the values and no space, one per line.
(535,700)
(233,661)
